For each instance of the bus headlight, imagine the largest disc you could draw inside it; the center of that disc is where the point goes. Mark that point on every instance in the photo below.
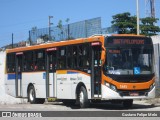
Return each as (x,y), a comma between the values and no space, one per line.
(106,84)
(113,87)
(152,86)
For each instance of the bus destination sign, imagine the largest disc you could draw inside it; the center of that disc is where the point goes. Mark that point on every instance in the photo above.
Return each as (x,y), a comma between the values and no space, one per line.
(129,41)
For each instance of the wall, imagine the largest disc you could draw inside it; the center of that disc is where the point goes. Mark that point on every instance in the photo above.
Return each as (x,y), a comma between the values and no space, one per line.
(4,98)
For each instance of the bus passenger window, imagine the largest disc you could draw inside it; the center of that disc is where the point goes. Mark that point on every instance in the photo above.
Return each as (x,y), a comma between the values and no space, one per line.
(62,58)
(10,63)
(69,57)
(28,61)
(86,54)
(40,60)
(75,56)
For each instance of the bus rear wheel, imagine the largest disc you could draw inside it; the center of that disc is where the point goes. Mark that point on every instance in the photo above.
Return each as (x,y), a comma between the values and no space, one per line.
(83,98)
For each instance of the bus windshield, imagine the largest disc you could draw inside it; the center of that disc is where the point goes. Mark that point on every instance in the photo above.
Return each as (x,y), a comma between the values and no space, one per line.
(129,61)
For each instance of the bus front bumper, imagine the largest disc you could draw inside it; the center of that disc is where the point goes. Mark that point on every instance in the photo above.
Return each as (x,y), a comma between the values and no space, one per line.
(108,94)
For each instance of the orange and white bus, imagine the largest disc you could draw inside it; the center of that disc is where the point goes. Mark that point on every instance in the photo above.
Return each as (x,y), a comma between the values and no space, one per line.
(116,67)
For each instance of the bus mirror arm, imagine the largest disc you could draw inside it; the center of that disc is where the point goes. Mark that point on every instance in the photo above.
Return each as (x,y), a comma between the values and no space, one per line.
(103,55)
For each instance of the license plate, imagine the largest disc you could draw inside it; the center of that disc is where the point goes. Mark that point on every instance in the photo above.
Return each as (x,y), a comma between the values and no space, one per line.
(134,94)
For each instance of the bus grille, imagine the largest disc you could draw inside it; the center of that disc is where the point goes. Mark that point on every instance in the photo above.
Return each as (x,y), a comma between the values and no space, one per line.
(133,93)
(131,78)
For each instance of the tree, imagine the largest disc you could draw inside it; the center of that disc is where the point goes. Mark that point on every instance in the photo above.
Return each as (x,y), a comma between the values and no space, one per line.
(60,26)
(125,23)
(45,37)
(148,27)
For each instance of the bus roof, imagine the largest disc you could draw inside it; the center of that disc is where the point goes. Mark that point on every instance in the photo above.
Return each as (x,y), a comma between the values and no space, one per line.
(56,44)
(128,35)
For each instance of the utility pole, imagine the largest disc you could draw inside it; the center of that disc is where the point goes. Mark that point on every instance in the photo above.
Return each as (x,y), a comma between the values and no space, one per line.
(49,24)
(29,38)
(12,40)
(150,8)
(137,17)
(152,5)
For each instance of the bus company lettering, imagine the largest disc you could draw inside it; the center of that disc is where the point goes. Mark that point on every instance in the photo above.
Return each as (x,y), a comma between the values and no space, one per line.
(128,41)
(79,78)
(73,78)
(61,78)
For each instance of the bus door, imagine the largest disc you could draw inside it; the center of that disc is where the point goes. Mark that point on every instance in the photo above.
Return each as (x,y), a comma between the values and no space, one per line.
(18,74)
(51,72)
(96,70)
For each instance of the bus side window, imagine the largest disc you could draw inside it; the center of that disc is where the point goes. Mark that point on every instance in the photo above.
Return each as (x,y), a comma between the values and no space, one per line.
(75,56)
(69,57)
(28,61)
(83,56)
(62,58)
(80,56)
(86,61)
(11,62)
(39,60)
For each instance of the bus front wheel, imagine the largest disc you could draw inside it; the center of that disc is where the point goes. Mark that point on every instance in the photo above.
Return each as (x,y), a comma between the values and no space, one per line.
(31,95)
(83,97)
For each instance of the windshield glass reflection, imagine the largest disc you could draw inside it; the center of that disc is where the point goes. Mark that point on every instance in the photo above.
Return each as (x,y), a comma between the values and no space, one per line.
(129,61)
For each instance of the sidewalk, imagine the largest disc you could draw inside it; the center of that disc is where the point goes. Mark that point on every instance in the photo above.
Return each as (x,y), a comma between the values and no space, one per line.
(154,101)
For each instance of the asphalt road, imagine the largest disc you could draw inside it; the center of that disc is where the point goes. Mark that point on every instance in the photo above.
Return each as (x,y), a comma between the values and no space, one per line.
(140,107)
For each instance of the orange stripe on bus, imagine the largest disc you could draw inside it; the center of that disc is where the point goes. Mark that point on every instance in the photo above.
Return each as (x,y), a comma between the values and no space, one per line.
(80,72)
(57,44)
(129,86)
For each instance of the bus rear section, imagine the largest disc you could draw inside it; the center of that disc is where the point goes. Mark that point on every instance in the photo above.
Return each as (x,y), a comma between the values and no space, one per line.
(128,71)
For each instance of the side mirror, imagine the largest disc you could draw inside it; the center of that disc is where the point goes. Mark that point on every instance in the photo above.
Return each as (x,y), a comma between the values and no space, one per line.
(103,55)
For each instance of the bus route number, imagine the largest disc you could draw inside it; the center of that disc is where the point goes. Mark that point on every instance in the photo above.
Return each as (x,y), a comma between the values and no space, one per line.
(123,86)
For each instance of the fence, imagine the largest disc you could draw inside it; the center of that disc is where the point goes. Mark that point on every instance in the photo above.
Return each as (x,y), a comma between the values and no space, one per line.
(80,29)
(61,32)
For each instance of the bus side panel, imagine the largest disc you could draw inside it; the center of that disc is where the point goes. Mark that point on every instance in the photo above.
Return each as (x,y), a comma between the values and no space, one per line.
(10,85)
(38,79)
(63,86)
(67,82)
(86,79)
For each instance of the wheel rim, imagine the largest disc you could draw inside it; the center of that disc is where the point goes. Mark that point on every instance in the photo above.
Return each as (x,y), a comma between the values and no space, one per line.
(81,97)
(31,95)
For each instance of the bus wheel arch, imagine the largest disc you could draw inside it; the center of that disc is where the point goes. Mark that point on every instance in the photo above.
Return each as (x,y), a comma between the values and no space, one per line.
(82,95)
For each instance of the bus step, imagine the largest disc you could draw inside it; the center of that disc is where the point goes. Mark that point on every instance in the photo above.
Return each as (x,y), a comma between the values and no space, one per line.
(97,96)
(18,96)
(51,99)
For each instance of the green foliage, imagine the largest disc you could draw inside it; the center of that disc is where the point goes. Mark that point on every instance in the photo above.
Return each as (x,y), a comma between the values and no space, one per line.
(60,24)
(45,37)
(127,24)
(148,27)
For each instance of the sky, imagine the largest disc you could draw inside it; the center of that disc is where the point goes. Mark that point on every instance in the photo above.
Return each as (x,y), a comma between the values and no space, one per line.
(20,16)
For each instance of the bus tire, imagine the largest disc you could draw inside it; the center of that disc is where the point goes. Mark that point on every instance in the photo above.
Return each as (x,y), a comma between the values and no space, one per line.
(69,102)
(40,100)
(83,98)
(31,95)
(127,103)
